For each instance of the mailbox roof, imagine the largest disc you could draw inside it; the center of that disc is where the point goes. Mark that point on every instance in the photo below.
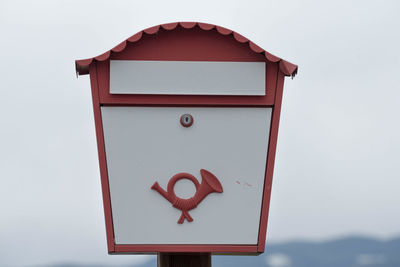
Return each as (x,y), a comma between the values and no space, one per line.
(289,69)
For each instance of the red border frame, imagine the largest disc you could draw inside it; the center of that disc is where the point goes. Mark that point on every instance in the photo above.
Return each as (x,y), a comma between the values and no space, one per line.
(99,77)
(106,98)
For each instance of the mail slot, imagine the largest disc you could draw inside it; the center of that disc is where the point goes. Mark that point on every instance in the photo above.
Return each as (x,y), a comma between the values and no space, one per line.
(186,118)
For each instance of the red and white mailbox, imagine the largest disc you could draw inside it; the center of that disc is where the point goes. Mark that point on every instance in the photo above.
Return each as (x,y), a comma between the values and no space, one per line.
(187,119)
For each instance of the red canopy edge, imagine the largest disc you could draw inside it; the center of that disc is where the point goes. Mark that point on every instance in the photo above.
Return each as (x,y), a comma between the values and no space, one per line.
(287,68)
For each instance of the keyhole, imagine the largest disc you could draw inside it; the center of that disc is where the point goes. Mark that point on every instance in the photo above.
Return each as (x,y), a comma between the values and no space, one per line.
(186,120)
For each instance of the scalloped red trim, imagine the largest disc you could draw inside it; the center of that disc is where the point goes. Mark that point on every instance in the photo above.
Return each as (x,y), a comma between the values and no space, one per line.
(289,69)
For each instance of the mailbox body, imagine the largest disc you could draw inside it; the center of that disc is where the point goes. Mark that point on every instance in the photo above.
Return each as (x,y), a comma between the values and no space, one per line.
(233,91)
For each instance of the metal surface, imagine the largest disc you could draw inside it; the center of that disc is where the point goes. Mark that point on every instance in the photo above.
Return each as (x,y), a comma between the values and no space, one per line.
(287,68)
(184,260)
(209,184)
(148,144)
(103,72)
(187,77)
(269,170)
(186,120)
(186,42)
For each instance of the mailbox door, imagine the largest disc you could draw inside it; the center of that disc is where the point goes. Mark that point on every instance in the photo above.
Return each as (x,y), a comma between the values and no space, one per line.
(148,144)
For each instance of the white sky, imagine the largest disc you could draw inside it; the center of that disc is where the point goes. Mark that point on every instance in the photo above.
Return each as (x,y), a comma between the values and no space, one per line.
(337,166)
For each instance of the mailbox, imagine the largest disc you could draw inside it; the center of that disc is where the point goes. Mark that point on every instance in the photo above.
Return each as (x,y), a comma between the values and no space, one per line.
(186,119)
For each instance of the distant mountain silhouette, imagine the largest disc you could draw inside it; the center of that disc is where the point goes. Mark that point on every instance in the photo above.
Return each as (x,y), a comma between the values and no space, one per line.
(344,252)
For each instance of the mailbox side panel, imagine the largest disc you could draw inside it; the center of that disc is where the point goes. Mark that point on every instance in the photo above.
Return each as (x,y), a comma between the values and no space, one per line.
(102,158)
(273,138)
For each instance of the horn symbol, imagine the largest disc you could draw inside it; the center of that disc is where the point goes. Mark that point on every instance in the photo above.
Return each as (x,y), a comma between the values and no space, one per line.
(209,184)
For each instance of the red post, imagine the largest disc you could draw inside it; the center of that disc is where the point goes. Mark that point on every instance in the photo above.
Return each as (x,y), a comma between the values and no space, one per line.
(184,259)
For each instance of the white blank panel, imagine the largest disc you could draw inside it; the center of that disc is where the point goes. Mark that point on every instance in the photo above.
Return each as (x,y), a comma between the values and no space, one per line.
(187,77)
(148,144)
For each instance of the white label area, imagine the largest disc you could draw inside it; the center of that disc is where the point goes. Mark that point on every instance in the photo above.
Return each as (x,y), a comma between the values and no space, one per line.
(187,77)
(148,144)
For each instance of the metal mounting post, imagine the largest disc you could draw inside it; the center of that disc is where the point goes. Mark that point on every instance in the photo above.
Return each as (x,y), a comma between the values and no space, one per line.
(184,259)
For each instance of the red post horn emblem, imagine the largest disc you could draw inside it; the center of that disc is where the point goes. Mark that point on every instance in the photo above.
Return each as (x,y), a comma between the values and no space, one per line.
(209,184)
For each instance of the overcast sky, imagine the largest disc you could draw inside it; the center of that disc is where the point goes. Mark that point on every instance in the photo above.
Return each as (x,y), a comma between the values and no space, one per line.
(337,165)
